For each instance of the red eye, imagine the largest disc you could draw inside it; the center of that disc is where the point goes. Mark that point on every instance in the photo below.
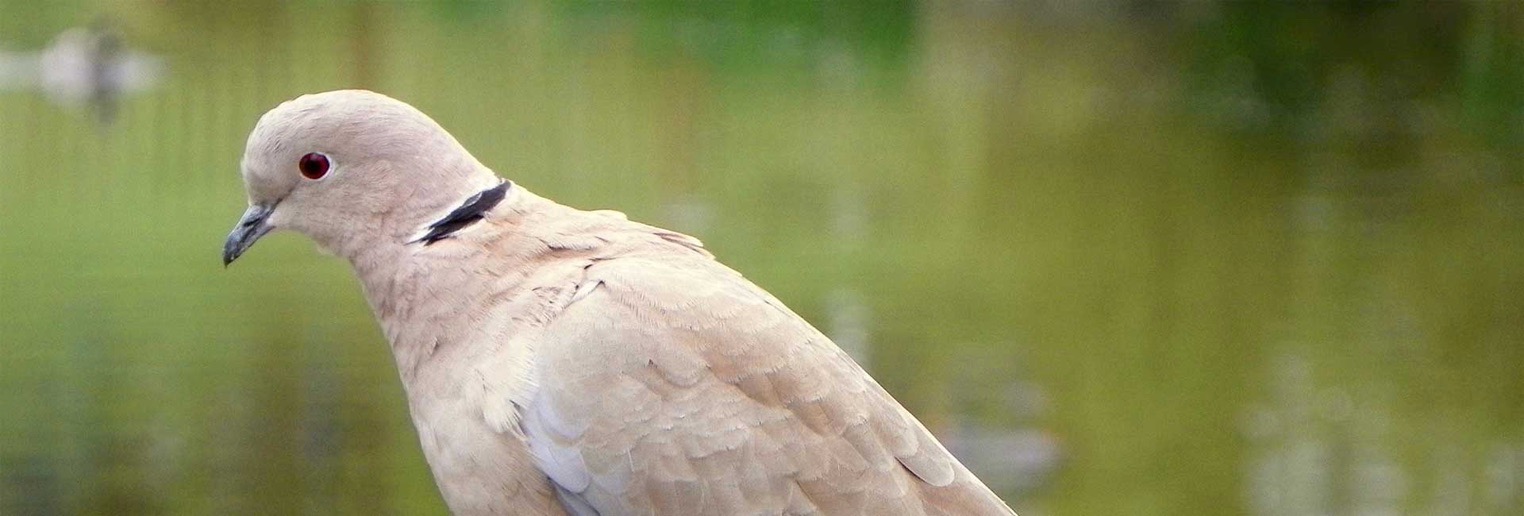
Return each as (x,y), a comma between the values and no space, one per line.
(314,165)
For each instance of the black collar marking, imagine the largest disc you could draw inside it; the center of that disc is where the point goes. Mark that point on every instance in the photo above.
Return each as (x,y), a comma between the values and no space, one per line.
(467,214)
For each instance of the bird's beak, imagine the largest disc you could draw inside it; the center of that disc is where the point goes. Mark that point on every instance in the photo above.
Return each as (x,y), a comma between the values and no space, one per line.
(252,226)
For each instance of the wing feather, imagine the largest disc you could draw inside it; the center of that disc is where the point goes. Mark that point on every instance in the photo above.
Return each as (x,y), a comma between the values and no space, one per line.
(674,386)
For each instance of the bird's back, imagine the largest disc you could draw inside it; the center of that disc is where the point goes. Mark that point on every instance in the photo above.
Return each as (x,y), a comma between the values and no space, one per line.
(669,384)
(644,377)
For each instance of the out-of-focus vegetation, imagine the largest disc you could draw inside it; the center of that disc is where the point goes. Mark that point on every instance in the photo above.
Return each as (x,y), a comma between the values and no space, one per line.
(1241,258)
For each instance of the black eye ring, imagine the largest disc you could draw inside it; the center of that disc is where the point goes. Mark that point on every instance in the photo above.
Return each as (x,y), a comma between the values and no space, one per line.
(314,165)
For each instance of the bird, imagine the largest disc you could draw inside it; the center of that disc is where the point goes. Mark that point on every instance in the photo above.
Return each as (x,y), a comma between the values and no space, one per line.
(89,67)
(561,361)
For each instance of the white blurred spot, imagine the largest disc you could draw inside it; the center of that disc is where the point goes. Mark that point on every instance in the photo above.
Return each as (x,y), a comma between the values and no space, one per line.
(83,67)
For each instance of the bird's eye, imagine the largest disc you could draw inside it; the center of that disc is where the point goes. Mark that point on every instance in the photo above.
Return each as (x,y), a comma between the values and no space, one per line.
(314,165)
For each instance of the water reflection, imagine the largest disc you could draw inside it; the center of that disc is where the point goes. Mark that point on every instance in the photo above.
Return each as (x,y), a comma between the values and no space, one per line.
(1321,449)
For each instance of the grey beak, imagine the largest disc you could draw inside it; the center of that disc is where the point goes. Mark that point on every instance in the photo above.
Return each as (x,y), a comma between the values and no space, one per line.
(249,229)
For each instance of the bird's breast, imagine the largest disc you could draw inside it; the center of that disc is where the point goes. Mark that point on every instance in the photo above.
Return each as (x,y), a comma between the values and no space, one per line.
(479,469)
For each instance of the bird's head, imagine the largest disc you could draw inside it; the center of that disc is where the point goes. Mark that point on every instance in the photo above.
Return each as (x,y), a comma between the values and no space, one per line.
(347,168)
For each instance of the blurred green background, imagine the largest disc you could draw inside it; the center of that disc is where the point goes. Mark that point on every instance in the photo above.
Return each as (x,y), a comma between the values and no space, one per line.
(1131,258)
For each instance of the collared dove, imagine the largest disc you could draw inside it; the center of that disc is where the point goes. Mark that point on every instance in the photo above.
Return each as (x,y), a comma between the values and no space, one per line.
(560,361)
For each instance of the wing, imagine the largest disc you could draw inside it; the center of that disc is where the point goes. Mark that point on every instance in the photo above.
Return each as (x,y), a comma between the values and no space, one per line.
(674,386)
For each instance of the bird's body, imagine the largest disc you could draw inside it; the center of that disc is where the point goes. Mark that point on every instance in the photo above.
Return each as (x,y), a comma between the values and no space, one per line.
(560,361)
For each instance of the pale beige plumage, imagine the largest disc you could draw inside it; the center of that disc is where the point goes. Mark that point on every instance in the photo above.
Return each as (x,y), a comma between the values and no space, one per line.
(565,361)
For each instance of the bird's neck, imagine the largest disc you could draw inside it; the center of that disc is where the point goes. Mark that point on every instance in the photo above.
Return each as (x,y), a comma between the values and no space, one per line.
(380,241)
(413,284)
(445,309)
